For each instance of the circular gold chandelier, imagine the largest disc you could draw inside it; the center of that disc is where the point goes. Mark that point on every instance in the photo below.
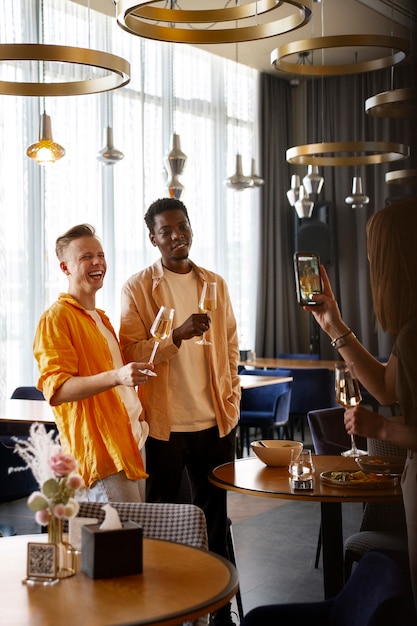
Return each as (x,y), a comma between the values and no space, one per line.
(208,26)
(116,70)
(396,103)
(347,153)
(402,177)
(396,49)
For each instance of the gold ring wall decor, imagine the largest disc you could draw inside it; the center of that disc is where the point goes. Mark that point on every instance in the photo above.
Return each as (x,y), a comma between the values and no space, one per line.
(396,49)
(347,153)
(116,70)
(211,25)
(396,103)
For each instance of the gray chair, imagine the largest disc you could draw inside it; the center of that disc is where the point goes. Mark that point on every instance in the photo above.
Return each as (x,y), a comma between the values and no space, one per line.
(383,524)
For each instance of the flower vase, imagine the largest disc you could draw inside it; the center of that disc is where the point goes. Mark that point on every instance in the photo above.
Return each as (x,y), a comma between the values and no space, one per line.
(65,554)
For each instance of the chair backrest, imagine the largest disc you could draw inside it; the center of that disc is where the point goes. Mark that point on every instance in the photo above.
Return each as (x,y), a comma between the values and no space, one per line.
(328,431)
(265,399)
(375,595)
(27,393)
(182,523)
(312,388)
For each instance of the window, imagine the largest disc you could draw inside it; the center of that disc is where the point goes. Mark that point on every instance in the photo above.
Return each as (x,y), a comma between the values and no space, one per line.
(209,101)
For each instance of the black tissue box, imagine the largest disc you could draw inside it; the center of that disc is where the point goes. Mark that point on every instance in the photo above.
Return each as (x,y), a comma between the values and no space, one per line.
(109,553)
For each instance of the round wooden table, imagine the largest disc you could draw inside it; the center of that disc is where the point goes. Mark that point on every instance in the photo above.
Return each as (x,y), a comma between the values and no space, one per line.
(179,583)
(251,476)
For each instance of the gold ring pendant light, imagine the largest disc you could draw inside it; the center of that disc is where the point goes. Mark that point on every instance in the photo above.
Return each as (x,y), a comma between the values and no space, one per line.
(211,25)
(116,69)
(397,50)
(344,152)
(395,103)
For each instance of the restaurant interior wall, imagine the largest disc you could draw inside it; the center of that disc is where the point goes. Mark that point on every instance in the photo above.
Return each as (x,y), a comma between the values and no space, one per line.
(215,112)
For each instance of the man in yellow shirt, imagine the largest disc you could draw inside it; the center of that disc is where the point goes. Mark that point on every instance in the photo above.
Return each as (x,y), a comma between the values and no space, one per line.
(83,376)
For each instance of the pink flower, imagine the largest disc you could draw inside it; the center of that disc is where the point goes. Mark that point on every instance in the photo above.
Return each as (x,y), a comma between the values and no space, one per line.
(75,482)
(62,464)
(42,517)
(59,511)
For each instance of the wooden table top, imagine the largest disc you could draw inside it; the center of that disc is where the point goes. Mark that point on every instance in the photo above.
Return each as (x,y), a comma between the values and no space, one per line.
(250,382)
(289,363)
(250,475)
(26,411)
(179,583)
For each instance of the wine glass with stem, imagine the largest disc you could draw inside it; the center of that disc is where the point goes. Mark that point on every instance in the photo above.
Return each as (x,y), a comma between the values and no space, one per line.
(207,302)
(348,394)
(160,330)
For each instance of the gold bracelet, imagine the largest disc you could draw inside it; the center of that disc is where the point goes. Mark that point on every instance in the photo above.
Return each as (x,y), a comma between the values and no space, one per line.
(341,341)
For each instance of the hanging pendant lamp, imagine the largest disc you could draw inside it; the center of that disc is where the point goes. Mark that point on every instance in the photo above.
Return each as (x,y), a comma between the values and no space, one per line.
(257,180)
(357,199)
(293,193)
(109,155)
(175,187)
(186,24)
(45,150)
(312,181)
(176,159)
(303,205)
(239,181)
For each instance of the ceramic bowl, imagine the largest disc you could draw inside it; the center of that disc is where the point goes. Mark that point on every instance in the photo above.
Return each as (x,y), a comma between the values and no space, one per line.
(275,452)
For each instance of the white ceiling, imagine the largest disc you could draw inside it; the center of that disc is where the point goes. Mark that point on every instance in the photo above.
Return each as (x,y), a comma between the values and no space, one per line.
(330,17)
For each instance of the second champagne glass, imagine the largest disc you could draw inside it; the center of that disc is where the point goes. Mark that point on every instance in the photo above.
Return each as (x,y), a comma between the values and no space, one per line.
(208,302)
(348,394)
(160,330)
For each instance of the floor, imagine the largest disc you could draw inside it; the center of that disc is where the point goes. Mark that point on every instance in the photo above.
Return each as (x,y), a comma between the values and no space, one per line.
(275,544)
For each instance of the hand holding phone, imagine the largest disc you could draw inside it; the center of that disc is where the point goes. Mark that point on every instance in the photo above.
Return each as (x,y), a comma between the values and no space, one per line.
(307,277)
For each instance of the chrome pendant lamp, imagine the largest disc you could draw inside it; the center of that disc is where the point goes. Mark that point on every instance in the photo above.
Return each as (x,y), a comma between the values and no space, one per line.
(303,205)
(357,199)
(293,193)
(257,180)
(175,160)
(313,181)
(238,181)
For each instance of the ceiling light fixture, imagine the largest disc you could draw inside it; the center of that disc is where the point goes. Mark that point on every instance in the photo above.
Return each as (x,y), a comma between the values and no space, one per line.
(45,150)
(257,180)
(394,103)
(312,181)
(402,177)
(293,193)
(347,153)
(238,181)
(116,70)
(183,25)
(357,199)
(397,50)
(303,205)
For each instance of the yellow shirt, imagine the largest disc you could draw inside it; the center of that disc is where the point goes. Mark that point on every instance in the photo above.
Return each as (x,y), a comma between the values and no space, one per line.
(96,430)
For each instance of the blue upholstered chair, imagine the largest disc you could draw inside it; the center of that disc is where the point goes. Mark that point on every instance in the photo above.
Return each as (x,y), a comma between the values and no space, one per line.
(27,393)
(265,408)
(312,388)
(377,594)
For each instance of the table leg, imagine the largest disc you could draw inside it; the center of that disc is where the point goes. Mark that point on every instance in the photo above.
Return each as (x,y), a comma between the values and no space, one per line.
(332,546)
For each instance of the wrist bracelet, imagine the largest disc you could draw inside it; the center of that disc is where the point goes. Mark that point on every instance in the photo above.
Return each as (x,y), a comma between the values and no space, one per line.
(342,340)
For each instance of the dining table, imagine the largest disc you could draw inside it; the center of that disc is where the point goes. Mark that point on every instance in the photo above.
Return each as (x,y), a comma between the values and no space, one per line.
(179,583)
(267,363)
(17,415)
(252,382)
(252,476)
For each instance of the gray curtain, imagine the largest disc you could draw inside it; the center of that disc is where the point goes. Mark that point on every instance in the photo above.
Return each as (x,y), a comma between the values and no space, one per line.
(334,112)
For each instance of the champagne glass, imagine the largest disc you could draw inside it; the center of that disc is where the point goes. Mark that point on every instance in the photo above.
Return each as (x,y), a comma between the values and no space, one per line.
(160,330)
(208,302)
(348,394)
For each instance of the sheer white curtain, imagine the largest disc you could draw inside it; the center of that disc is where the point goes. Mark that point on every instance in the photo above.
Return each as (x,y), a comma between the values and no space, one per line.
(211,103)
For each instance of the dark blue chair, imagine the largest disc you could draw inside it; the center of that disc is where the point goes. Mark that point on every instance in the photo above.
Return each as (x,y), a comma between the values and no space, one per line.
(27,393)
(312,388)
(265,408)
(304,356)
(377,594)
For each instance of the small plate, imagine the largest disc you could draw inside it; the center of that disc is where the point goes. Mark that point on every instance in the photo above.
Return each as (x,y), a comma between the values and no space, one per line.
(357,480)
(389,465)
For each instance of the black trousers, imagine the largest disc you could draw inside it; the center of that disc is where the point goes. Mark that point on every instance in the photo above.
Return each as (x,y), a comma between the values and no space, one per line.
(198,452)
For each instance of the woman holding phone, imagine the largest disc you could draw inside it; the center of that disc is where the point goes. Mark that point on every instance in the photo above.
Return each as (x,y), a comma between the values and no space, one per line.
(391,237)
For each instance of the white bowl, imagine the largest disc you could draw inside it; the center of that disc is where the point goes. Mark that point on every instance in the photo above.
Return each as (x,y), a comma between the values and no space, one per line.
(275,452)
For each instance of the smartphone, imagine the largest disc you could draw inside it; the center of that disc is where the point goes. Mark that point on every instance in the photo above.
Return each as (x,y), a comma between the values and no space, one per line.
(307,277)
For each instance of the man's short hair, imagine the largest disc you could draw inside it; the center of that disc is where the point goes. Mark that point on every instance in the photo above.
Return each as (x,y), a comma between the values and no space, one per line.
(160,206)
(76,232)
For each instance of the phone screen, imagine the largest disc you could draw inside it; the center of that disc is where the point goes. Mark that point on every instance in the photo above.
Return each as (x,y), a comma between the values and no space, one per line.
(307,276)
